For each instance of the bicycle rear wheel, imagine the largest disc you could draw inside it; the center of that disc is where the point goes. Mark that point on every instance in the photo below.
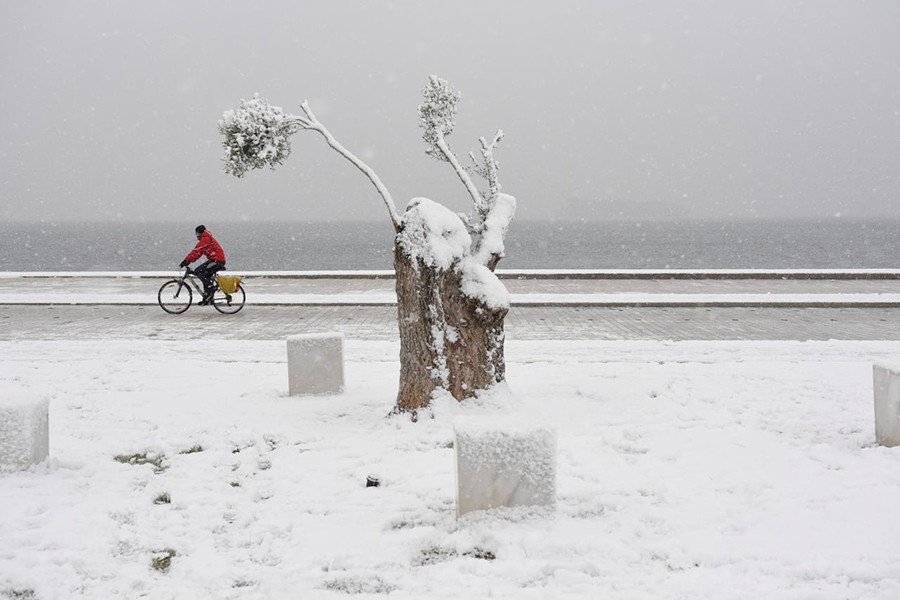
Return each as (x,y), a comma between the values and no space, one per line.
(229,303)
(174,297)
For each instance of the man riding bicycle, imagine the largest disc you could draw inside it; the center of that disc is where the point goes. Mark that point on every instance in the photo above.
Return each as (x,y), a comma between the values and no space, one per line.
(206,246)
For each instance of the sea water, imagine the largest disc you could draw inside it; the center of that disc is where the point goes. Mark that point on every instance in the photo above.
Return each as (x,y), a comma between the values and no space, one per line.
(285,246)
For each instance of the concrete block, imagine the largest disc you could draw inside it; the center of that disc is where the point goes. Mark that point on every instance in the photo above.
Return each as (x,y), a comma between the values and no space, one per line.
(24,432)
(315,363)
(503,463)
(886,385)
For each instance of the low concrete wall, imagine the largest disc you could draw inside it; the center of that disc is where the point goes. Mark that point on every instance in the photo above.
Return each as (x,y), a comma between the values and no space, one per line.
(524,274)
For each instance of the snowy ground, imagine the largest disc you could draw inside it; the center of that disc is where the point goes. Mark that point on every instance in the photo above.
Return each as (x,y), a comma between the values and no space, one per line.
(686,470)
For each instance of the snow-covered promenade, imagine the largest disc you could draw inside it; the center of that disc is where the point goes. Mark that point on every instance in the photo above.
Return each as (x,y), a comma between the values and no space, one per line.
(871,288)
(719,451)
(621,305)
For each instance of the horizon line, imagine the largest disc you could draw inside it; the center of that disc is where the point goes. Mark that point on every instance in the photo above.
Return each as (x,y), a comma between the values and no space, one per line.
(574,220)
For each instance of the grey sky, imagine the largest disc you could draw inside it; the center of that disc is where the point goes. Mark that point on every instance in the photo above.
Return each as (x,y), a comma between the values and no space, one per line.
(611,109)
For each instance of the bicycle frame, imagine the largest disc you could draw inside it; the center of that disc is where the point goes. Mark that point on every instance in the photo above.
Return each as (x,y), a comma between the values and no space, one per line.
(190,278)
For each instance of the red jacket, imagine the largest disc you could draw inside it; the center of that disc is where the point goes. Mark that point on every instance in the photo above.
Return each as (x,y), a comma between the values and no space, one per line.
(206,246)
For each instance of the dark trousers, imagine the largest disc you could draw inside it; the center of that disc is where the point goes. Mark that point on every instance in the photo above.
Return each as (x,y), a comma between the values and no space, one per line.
(206,271)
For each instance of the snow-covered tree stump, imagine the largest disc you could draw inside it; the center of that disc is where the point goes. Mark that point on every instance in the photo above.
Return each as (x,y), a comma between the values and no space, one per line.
(501,463)
(451,307)
(24,432)
(315,363)
(886,385)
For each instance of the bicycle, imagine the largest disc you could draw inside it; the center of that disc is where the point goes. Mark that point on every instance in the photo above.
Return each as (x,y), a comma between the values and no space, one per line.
(176,295)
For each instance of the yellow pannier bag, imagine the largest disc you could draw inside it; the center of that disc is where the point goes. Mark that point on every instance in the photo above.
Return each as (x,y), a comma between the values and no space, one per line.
(228,283)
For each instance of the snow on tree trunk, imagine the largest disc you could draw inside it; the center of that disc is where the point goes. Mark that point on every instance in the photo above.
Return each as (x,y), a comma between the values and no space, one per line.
(450,310)
(475,357)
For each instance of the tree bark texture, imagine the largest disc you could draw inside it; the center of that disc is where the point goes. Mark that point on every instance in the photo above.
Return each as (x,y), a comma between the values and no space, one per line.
(447,340)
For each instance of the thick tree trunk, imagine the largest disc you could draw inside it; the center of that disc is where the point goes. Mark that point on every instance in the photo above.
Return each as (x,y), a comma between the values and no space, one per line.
(475,356)
(447,340)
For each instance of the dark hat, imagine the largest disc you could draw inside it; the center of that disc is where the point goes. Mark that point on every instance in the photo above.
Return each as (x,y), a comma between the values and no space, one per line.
(200,229)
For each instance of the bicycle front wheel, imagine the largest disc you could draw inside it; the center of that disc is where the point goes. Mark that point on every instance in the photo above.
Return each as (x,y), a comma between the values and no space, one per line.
(174,297)
(229,303)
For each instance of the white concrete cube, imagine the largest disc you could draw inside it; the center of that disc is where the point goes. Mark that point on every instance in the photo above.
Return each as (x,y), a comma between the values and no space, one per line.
(886,385)
(24,432)
(315,363)
(503,463)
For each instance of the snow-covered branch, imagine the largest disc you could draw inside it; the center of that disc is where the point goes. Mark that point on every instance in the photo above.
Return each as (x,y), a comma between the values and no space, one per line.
(487,169)
(491,166)
(436,114)
(436,118)
(461,172)
(258,135)
(315,125)
(490,246)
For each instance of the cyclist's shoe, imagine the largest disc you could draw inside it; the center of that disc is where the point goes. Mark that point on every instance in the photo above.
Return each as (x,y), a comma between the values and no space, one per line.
(207,300)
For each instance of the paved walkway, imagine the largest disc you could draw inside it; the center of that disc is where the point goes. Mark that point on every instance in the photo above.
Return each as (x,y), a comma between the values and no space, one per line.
(848,321)
(523,323)
(610,291)
(292,286)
